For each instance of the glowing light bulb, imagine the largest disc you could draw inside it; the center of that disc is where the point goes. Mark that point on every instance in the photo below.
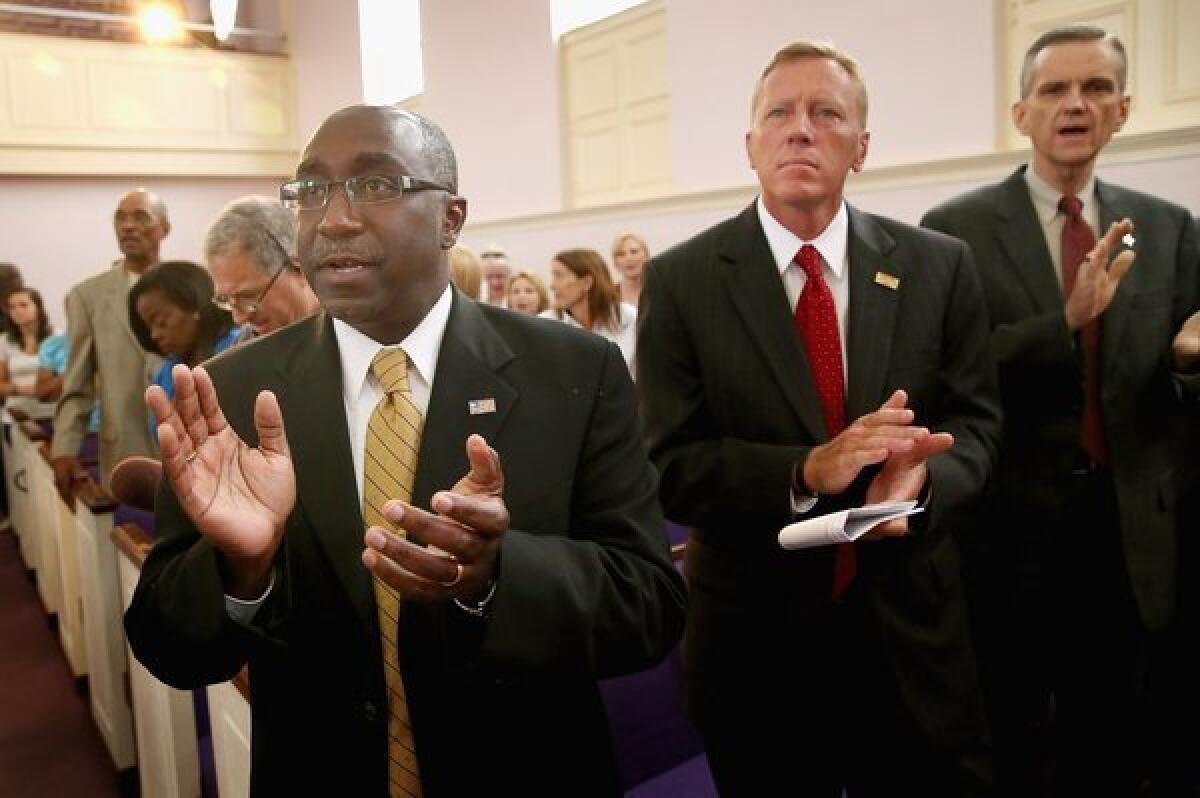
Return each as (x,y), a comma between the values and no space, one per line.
(159,23)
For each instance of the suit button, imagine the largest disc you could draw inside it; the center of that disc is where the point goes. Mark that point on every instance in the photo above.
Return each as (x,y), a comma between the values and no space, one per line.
(369,711)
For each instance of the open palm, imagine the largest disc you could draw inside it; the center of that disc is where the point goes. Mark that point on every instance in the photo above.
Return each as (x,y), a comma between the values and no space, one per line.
(238,496)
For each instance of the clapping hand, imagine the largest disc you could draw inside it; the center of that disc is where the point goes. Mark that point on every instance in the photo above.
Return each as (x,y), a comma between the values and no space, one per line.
(238,497)
(462,535)
(1097,280)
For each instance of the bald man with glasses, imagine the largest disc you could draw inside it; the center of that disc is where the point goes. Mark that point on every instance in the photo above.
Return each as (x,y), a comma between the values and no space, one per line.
(425,548)
(249,250)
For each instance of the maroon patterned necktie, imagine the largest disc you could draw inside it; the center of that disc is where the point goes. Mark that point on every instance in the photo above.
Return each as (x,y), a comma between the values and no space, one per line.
(1077,241)
(816,323)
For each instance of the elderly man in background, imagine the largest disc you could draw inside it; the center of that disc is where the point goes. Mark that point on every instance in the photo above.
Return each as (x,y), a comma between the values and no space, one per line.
(249,250)
(106,362)
(496,273)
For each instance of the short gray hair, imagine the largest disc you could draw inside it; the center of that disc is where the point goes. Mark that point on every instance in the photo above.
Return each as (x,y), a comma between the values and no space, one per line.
(258,226)
(437,149)
(1079,32)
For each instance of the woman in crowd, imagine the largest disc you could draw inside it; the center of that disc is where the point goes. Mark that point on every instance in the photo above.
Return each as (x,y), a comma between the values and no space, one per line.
(584,295)
(29,326)
(172,314)
(630,254)
(466,272)
(527,294)
(10,280)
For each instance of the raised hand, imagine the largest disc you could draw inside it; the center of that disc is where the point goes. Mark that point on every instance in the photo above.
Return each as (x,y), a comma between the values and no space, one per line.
(1186,346)
(462,535)
(870,439)
(238,497)
(1097,280)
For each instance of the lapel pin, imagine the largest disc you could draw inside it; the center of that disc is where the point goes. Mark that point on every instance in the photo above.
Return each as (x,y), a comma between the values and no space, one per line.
(479,407)
(887,280)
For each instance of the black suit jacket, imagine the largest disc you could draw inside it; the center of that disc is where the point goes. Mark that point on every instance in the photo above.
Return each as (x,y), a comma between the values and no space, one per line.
(730,408)
(586,587)
(1041,374)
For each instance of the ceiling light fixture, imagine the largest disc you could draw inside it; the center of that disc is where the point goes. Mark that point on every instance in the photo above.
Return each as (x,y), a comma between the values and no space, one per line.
(132,21)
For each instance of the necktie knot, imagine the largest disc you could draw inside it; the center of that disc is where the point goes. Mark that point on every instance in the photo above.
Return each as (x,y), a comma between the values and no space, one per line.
(809,260)
(390,367)
(1071,205)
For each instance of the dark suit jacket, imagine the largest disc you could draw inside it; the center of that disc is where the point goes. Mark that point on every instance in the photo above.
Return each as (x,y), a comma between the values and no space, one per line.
(586,587)
(730,407)
(1041,373)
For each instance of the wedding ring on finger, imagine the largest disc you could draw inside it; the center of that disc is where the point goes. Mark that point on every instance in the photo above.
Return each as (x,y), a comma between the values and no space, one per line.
(458,575)
(191,456)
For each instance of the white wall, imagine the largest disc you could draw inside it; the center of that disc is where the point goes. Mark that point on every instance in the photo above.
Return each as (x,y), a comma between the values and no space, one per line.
(491,81)
(324,41)
(59,230)
(928,66)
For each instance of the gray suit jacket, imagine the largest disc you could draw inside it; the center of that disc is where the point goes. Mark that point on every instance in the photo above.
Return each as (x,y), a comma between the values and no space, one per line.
(105,362)
(1041,371)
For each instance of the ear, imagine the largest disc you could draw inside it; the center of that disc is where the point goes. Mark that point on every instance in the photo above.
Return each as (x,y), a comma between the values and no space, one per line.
(453,219)
(1020,117)
(749,152)
(1123,111)
(864,141)
(166,227)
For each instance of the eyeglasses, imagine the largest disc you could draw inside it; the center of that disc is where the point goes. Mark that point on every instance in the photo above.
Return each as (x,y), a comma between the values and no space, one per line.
(312,195)
(244,304)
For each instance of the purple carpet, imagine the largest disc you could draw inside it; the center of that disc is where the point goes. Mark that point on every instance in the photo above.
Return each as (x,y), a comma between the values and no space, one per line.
(48,744)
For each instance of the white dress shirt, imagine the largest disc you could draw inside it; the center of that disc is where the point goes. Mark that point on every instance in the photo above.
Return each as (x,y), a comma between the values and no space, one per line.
(833,243)
(361,392)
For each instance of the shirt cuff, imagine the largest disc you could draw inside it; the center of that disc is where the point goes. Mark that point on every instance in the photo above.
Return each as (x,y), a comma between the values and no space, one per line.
(244,611)
(802,503)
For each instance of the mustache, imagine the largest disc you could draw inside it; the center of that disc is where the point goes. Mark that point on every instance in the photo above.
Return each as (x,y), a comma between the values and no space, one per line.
(323,251)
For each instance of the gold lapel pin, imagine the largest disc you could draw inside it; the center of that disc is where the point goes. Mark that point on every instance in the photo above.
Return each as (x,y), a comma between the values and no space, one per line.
(887,280)
(479,407)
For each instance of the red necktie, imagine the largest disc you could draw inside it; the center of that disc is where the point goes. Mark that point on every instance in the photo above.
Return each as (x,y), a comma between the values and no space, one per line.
(1077,241)
(817,325)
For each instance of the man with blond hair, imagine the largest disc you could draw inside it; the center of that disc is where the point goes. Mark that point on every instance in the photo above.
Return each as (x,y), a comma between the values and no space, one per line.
(804,358)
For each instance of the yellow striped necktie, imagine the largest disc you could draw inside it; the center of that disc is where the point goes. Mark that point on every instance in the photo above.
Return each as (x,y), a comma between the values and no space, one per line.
(389,465)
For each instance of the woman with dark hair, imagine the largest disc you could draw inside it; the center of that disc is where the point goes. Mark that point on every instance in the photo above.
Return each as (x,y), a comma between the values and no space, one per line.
(172,314)
(29,326)
(584,295)
(10,280)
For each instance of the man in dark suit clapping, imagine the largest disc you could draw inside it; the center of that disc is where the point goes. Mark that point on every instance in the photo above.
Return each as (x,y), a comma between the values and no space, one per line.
(798,359)
(432,550)
(1075,564)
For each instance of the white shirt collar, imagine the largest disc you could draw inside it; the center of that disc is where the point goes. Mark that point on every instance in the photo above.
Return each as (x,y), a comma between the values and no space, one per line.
(831,243)
(422,347)
(1046,197)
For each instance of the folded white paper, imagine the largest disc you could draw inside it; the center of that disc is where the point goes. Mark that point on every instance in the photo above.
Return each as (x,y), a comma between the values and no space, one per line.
(845,526)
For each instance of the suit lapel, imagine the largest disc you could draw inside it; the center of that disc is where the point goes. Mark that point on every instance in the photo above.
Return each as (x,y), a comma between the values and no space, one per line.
(756,289)
(1113,208)
(872,313)
(1024,241)
(467,396)
(116,302)
(326,485)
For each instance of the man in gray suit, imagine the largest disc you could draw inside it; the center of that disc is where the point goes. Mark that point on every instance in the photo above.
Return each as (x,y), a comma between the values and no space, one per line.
(106,362)
(1074,570)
